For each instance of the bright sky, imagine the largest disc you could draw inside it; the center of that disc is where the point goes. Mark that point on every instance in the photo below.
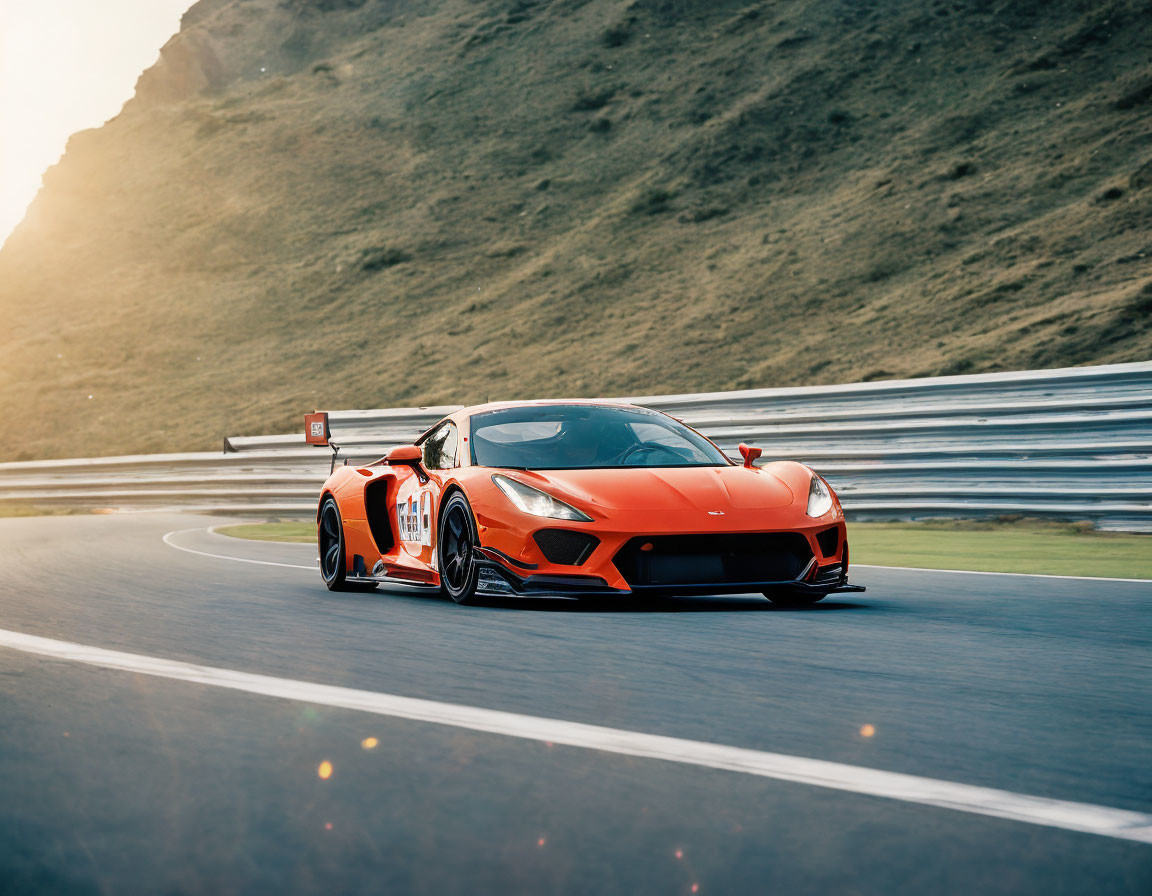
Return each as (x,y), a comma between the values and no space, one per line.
(67,65)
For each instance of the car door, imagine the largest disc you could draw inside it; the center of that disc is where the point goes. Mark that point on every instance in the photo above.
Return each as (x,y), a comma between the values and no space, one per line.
(418,494)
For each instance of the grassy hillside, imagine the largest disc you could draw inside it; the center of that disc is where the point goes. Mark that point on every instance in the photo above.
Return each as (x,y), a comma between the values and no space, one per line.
(345,203)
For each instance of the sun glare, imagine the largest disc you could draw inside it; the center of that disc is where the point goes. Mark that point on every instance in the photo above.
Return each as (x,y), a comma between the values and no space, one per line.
(67,65)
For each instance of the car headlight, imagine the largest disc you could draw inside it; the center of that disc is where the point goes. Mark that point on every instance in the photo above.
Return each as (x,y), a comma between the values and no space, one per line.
(538,503)
(819,497)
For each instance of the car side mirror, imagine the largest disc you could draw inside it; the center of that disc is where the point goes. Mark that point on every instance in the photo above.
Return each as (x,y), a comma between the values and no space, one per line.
(404,454)
(410,456)
(749,454)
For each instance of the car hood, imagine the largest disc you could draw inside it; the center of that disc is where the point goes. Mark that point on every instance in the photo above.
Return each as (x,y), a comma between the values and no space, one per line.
(665,488)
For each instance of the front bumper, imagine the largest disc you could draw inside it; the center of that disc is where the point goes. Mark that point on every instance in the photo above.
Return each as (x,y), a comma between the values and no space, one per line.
(639,552)
(497,579)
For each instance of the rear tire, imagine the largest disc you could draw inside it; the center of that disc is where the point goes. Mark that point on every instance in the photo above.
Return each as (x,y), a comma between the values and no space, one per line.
(330,541)
(786,599)
(456,541)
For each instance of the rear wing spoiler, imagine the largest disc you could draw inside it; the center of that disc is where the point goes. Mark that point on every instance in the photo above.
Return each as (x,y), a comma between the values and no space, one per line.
(316,430)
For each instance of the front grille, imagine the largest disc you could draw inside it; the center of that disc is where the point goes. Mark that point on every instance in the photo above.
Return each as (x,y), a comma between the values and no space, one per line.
(564,547)
(829,540)
(662,560)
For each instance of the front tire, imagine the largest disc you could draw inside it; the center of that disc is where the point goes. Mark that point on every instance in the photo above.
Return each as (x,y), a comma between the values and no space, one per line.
(456,550)
(793,599)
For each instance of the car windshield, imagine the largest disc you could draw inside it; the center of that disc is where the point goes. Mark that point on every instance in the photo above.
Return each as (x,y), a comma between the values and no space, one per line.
(582,437)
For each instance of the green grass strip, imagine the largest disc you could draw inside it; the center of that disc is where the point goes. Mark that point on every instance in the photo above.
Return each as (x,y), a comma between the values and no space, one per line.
(291,532)
(1051,549)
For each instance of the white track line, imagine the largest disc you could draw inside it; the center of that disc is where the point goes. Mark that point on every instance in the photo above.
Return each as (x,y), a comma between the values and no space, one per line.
(985,572)
(168,541)
(967,572)
(1121,824)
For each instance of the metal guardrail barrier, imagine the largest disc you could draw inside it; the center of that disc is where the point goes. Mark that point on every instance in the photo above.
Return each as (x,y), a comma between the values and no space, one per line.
(1073,443)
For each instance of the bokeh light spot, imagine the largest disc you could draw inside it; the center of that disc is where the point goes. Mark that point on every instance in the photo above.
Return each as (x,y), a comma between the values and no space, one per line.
(867,731)
(325,770)
(369,743)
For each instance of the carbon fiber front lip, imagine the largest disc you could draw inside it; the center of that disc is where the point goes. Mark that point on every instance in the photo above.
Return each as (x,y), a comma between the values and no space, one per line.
(593,586)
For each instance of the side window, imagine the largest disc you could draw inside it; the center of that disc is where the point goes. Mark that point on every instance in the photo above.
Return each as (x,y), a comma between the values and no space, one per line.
(440,448)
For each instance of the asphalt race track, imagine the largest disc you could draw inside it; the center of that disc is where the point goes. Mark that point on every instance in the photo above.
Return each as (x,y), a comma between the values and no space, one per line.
(115,781)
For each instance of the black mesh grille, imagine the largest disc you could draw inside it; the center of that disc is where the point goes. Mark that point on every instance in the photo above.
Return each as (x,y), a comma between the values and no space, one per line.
(662,560)
(565,547)
(829,540)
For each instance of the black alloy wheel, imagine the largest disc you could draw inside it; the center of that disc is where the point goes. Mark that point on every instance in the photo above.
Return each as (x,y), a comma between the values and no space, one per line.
(456,551)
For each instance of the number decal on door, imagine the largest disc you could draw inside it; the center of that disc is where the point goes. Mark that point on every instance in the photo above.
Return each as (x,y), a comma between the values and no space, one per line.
(414,518)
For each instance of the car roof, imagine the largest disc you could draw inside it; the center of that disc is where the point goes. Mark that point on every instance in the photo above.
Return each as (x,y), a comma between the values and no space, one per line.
(542,402)
(463,414)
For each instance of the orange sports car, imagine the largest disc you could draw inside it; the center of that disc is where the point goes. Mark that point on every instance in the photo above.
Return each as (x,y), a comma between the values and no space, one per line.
(578,498)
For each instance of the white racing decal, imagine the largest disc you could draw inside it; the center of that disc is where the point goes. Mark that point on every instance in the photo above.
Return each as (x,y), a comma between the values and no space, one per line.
(1121,824)
(414,518)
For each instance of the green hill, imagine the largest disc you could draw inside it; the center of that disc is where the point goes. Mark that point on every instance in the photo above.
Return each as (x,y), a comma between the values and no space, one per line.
(343,203)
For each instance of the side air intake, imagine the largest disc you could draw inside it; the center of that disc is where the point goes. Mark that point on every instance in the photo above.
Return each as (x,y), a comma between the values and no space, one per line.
(379,519)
